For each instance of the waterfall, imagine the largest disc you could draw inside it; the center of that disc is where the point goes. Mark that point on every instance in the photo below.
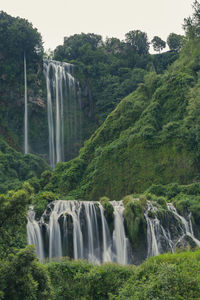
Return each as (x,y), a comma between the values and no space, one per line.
(34,235)
(120,240)
(162,235)
(63,97)
(186,226)
(78,229)
(26,109)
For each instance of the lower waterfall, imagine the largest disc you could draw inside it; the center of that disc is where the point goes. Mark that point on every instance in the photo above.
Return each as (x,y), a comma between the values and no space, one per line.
(79,229)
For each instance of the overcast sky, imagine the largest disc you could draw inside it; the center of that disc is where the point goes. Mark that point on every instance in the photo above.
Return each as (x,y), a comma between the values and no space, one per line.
(112,18)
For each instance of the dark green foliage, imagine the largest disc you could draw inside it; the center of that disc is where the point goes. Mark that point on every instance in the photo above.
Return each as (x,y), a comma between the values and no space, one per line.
(108,71)
(138,41)
(13,219)
(41,200)
(79,280)
(158,43)
(108,211)
(168,276)
(175,42)
(15,168)
(63,276)
(134,220)
(18,37)
(21,277)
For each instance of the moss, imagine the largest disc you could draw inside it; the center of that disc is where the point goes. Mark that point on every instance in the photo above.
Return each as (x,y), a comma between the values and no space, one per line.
(108,211)
(41,200)
(134,220)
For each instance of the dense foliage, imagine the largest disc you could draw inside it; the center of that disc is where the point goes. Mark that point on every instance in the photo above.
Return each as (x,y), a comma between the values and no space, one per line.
(109,70)
(18,38)
(15,168)
(168,276)
(151,137)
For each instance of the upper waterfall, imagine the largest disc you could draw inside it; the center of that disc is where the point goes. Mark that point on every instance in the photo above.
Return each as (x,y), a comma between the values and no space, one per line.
(63,109)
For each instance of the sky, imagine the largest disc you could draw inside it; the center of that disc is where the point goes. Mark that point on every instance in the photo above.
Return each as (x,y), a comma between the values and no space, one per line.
(55,19)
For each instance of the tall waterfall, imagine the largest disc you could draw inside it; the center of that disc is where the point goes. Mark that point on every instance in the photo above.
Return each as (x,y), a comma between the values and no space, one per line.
(25,110)
(78,229)
(64,111)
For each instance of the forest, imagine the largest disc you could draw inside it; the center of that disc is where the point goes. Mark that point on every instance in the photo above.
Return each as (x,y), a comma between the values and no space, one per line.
(132,123)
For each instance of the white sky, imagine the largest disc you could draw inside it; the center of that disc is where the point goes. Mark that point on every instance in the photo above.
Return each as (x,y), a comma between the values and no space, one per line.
(112,18)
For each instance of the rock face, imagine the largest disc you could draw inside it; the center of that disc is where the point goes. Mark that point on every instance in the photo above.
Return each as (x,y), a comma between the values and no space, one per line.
(79,229)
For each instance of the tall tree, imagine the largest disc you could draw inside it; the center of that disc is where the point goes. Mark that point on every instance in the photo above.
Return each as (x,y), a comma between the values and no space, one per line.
(175,42)
(192,24)
(158,43)
(138,41)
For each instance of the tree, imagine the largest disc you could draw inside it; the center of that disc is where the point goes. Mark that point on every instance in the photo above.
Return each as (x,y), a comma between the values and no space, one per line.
(138,40)
(192,24)
(18,36)
(13,219)
(175,41)
(158,43)
(22,277)
(113,45)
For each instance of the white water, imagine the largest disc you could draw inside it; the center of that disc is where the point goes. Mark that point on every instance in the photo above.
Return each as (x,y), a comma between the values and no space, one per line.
(34,234)
(61,109)
(90,232)
(159,237)
(120,241)
(25,110)
(153,228)
(79,229)
(186,225)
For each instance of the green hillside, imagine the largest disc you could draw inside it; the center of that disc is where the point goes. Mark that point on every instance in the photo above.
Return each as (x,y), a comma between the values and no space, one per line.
(151,137)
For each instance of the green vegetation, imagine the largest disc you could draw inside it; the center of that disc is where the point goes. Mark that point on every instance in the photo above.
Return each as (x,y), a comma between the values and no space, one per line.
(15,168)
(158,43)
(168,276)
(18,37)
(13,219)
(148,148)
(22,277)
(108,70)
(152,136)
(79,280)
(134,220)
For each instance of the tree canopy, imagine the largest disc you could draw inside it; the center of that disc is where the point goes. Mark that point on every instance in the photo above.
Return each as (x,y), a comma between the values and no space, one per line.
(158,43)
(138,41)
(175,41)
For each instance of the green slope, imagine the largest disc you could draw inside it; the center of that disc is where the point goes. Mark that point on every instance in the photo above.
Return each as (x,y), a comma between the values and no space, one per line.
(151,137)
(15,167)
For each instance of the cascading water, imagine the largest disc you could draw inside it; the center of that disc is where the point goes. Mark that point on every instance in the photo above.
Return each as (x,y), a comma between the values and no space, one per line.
(120,241)
(25,109)
(64,111)
(78,229)
(186,226)
(164,236)
(34,235)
